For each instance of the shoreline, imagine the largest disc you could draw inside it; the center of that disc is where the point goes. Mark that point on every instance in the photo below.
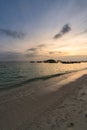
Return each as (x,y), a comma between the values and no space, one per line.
(47,77)
(46,105)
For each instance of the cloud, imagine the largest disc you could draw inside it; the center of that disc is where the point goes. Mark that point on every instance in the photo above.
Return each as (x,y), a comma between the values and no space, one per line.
(35,51)
(58,53)
(30,55)
(31,49)
(5,56)
(41,45)
(37,48)
(32,52)
(65,29)
(55,52)
(82,32)
(11,33)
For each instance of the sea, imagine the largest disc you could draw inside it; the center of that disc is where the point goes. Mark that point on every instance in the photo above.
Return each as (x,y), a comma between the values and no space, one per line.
(15,74)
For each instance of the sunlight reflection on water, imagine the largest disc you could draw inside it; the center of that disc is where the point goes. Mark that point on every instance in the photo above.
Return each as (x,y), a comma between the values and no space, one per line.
(12,73)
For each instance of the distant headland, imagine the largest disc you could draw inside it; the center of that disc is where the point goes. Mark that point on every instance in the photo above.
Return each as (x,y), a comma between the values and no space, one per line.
(57,61)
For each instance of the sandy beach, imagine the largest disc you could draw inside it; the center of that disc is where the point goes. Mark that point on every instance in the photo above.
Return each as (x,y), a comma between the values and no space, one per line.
(58,103)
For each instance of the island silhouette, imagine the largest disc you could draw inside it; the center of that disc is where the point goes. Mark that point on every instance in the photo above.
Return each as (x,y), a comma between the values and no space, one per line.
(57,61)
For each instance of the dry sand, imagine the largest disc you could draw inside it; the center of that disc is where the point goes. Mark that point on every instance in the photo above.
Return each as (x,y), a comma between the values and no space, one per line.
(55,104)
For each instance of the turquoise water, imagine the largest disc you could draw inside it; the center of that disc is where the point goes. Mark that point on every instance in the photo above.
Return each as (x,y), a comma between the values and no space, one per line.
(13,73)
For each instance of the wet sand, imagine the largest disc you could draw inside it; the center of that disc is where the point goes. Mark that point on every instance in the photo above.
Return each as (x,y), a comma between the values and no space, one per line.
(58,103)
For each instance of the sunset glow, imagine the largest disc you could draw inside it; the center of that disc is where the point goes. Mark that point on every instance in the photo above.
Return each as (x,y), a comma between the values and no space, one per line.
(49,28)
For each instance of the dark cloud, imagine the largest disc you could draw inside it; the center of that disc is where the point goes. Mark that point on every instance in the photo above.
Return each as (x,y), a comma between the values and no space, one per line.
(31,49)
(37,48)
(11,33)
(30,55)
(65,29)
(51,52)
(55,52)
(35,51)
(41,45)
(32,52)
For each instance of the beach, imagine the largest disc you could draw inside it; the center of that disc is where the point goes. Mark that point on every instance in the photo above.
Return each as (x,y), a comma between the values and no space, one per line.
(43,64)
(58,103)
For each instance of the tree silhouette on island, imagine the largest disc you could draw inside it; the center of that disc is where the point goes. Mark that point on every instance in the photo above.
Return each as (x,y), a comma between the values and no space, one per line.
(57,61)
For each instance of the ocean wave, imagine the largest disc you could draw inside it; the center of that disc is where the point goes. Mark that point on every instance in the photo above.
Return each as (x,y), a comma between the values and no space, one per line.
(33,80)
(37,79)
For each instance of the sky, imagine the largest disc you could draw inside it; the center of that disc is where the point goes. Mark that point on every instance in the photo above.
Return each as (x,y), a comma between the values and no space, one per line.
(43,29)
